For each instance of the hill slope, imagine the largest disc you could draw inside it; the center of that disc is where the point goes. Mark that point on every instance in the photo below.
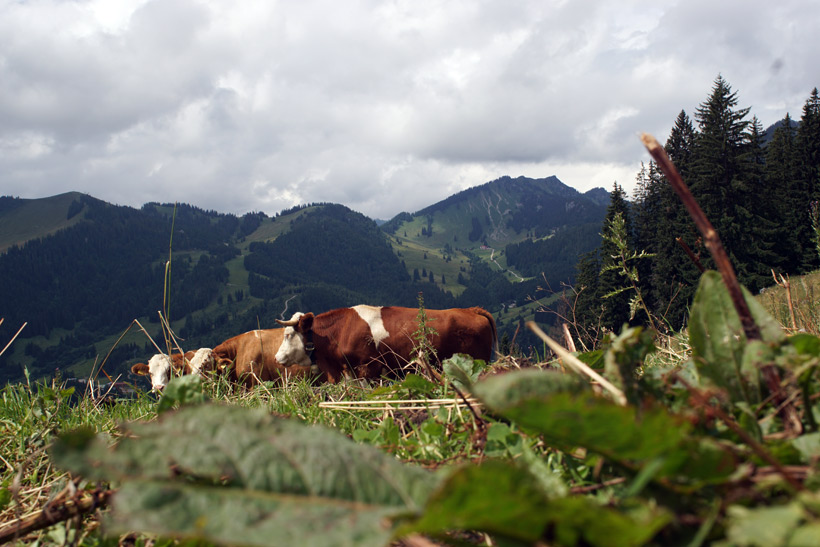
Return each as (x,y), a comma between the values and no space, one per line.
(23,220)
(490,221)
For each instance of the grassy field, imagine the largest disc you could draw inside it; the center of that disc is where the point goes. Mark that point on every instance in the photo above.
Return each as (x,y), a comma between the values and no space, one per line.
(515,446)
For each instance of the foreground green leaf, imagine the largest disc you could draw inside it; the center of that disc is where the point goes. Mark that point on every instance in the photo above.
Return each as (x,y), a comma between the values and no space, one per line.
(719,342)
(214,472)
(567,416)
(506,501)
(764,526)
(496,497)
(463,371)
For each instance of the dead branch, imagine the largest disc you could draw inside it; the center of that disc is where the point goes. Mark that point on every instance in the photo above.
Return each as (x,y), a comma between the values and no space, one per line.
(13,337)
(54,513)
(730,422)
(577,365)
(695,260)
(784,282)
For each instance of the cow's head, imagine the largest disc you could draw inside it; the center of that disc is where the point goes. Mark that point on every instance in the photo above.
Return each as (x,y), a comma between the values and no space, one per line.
(295,348)
(158,370)
(204,360)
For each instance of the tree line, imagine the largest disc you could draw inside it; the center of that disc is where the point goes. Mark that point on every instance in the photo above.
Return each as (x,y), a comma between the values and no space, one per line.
(760,193)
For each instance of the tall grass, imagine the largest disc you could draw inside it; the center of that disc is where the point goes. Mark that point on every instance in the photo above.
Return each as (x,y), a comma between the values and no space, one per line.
(794,302)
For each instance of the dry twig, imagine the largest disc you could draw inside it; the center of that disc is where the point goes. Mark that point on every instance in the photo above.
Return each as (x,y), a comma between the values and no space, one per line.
(578,365)
(53,513)
(730,422)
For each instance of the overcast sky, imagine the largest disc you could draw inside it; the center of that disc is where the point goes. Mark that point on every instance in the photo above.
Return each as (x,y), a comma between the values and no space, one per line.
(383,106)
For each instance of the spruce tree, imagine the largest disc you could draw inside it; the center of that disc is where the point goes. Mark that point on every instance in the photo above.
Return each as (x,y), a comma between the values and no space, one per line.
(720,142)
(674,275)
(720,170)
(789,195)
(758,224)
(649,219)
(808,165)
(586,305)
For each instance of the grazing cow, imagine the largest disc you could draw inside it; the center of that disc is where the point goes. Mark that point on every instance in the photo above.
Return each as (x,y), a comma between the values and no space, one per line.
(159,367)
(365,341)
(253,356)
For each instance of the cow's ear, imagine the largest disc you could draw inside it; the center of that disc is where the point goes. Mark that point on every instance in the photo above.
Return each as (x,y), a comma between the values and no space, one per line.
(223,365)
(305,322)
(140,368)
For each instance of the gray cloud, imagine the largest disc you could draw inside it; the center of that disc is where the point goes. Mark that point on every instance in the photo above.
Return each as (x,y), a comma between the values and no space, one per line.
(384,107)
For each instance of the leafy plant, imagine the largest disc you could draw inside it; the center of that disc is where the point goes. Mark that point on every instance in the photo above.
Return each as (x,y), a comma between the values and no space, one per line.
(245,476)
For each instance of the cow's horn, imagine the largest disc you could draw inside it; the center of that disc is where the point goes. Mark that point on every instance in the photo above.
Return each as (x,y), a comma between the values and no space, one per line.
(291,323)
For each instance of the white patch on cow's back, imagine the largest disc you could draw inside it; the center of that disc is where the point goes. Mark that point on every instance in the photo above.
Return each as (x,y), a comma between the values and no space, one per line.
(372,315)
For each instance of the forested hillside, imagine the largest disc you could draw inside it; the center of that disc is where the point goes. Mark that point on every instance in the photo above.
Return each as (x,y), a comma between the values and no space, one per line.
(761,194)
(520,237)
(78,288)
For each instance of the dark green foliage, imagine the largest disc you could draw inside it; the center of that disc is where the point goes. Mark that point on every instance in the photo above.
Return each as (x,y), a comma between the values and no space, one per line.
(756,195)
(476,231)
(760,236)
(95,272)
(334,257)
(726,182)
(791,196)
(96,276)
(393,224)
(555,256)
(74,209)
(308,252)
(587,305)
(487,287)
(807,143)
(7,203)
(674,276)
(250,222)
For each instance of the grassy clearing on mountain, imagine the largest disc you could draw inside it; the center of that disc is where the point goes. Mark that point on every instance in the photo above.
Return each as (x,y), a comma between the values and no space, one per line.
(34,219)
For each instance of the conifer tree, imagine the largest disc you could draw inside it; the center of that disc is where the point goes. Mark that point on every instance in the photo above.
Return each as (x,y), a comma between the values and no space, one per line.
(674,275)
(719,145)
(757,218)
(648,220)
(723,182)
(808,166)
(587,304)
(789,195)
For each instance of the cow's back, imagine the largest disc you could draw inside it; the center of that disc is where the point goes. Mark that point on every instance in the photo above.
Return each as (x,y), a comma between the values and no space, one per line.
(470,331)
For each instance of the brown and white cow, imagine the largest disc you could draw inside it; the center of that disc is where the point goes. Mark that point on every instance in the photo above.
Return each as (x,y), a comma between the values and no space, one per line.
(367,341)
(253,355)
(159,367)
